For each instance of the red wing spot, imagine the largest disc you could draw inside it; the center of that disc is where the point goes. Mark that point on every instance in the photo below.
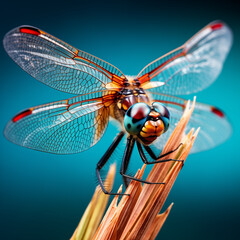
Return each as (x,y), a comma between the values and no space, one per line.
(217,112)
(22,115)
(217,26)
(30,30)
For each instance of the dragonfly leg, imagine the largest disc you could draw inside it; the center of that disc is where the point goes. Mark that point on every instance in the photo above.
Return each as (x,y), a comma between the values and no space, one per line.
(104,159)
(125,162)
(126,159)
(151,153)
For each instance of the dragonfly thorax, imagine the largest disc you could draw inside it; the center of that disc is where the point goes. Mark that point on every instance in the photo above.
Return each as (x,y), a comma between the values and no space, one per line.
(131,93)
(128,97)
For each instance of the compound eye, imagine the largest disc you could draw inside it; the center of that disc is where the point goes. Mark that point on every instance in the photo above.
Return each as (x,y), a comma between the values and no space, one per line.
(162,109)
(136,117)
(164,113)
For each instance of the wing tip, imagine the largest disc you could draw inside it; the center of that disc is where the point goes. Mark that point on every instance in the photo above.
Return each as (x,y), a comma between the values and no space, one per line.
(227,126)
(21,29)
(10,125)
(218,25)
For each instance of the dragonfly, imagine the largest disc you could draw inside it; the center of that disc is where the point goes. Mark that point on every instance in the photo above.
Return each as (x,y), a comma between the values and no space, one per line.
(145,106)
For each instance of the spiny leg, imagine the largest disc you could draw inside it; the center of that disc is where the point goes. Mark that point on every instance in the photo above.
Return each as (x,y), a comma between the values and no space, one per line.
(151,153)
(105,158)
(126,159)
(125,162)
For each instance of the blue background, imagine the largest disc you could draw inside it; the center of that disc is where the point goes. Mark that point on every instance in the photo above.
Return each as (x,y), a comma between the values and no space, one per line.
(43,196)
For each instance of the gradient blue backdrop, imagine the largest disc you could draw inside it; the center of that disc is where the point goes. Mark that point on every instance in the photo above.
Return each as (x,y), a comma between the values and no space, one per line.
(43,196)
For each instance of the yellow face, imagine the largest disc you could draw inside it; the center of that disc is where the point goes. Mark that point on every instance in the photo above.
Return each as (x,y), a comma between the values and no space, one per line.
(151,129)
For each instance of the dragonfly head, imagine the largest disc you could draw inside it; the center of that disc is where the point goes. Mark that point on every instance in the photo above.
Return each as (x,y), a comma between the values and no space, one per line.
(145,122)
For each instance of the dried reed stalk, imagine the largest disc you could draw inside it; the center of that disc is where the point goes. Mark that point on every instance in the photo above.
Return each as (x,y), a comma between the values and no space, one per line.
(95,210)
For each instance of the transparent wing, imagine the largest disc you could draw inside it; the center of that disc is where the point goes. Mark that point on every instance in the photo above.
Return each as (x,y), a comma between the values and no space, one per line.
(62,127)
(214,126)
(191,67)
(57,64)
